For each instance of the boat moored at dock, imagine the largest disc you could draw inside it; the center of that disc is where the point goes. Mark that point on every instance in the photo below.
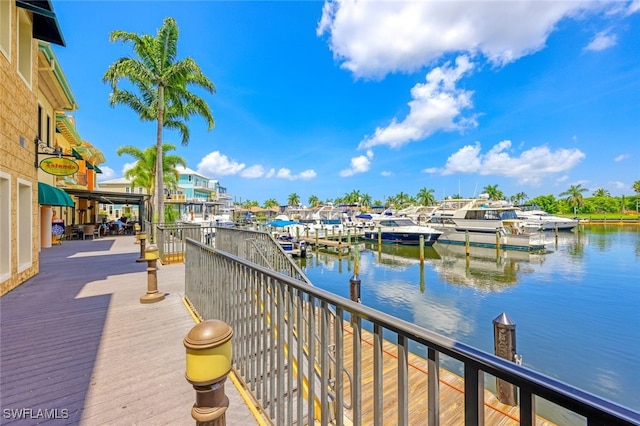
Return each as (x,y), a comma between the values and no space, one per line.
(481,222)
(401,230)
(535,218)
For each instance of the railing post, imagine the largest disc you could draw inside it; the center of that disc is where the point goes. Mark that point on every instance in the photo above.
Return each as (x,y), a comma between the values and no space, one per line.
(504,335)
(208,346)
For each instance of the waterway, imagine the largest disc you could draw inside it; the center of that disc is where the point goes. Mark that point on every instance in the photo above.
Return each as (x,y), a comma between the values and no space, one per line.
(576,306)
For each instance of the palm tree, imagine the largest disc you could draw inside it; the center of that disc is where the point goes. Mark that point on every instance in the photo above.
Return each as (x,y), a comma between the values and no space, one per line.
(493,192)
(271,202)
(143,172)
(250,203)
(636,186)
(426,197)
(314,201)
(162,82)
(519,197)
(366,200)
(293,200)
(574,196)
(601,192)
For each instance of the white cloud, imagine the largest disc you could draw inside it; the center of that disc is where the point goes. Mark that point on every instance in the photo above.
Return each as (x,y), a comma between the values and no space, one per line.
(435,105)
(386,173)
(127,166)
(621,157)
(307,175)
(602,41)
(217,164)
(271,173)
(285,173)
(529,167)
(359,164)
(252,172)
(374,38)
(618,185)
(107,173)
(633,7)
(431,170)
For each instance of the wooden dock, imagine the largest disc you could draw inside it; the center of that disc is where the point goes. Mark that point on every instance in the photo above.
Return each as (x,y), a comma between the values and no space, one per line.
(451,389)
(328,245)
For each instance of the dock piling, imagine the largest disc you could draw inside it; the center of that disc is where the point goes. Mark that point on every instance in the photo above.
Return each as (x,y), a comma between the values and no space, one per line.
(504,336)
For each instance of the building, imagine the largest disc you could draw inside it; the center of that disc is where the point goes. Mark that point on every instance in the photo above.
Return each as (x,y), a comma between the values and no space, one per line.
(195,193)
(32,91)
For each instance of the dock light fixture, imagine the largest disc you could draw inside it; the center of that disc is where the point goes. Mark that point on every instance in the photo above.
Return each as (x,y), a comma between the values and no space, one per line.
(142,236)
(208,362)
(151,255)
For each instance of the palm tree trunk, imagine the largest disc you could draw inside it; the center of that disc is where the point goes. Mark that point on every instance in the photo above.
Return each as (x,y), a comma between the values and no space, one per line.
(159,200)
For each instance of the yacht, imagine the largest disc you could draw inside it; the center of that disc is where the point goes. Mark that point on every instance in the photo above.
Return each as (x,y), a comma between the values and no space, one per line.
(401,230)
(534,217)
(483,223)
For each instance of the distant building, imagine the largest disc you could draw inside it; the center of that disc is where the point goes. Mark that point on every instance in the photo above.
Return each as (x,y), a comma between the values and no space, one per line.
(195,194)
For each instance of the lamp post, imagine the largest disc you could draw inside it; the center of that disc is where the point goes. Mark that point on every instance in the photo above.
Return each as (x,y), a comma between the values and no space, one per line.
(152,295)
(136,228)
(142,236)
(208,363)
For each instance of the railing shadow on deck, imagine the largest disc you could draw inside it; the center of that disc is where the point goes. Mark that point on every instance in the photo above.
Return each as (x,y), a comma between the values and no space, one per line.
(290,339)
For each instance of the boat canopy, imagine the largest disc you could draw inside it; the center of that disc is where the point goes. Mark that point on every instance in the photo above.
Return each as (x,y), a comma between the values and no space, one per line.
(282,223)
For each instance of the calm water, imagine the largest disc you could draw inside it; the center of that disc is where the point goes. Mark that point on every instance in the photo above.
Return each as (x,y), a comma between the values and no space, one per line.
(576,307)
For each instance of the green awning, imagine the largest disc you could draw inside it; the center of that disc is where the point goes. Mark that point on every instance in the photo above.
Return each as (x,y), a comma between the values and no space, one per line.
(89,166)
(51,196)
(97,169)
(76,154)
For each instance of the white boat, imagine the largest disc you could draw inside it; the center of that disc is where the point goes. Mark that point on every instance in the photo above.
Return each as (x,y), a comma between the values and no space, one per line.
(324,221)
(401,230)
(483,223)
(534,217)
(287,233)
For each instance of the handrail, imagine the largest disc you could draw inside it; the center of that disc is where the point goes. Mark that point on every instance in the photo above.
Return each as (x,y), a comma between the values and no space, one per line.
(259,355)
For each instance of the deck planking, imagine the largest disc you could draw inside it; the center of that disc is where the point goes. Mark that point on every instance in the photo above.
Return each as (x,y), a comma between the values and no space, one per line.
(451,402)
(75,337)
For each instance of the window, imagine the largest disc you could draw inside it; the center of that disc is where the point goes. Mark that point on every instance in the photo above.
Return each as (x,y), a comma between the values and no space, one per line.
(127,189)
(48,134)
(5,28)
(40,122)
(24,217)
(24,46)
(5,224)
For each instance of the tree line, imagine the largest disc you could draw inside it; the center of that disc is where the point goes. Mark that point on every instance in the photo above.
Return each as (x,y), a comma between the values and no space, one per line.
(572,201)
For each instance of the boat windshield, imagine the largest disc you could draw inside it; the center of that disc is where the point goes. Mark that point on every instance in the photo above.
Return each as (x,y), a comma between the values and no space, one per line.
(397,222)
(508,214)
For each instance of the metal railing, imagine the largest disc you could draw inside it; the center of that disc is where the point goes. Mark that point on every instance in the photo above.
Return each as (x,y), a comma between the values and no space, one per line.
(258,247)
(170,238)
(288,344)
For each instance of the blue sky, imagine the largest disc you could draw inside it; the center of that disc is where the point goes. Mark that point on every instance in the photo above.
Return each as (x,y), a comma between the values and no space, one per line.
(325,98)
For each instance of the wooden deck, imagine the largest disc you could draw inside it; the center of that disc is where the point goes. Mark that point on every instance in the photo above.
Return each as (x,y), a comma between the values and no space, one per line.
(451,389)
(76,342)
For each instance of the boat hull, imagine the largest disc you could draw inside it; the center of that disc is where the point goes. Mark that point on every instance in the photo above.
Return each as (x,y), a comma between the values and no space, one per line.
(525,242)
(401,237)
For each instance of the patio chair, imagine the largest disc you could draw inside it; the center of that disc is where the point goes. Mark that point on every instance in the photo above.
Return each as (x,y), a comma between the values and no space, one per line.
(75,232)
(89,231)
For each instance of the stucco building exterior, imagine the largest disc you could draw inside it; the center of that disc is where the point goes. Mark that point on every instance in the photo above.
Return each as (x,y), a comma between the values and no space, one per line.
(30,93)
